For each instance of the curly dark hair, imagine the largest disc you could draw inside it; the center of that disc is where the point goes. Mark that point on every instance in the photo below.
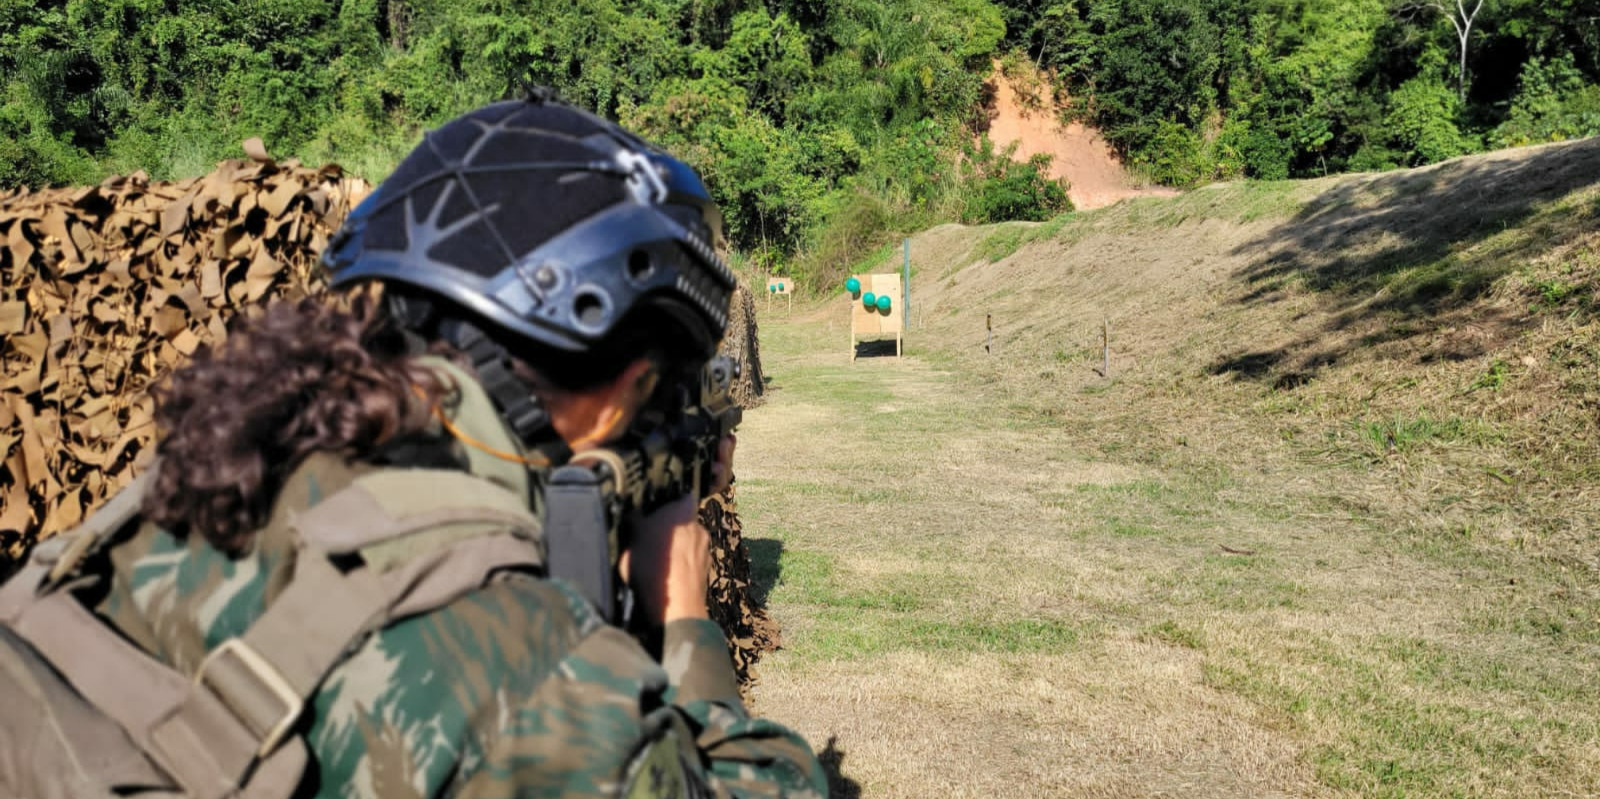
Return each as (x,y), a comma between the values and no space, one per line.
(302,377)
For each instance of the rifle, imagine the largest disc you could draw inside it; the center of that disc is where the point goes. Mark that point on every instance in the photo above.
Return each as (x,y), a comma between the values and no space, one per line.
(669,452)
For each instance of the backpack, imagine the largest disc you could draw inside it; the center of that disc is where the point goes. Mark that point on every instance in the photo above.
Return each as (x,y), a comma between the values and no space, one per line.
(87,714)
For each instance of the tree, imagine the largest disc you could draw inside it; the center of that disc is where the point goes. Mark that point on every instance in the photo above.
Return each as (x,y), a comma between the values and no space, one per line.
(1461,20)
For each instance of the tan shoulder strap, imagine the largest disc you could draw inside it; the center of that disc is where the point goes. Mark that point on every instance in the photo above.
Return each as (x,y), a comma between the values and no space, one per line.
(58,558)
(37,604)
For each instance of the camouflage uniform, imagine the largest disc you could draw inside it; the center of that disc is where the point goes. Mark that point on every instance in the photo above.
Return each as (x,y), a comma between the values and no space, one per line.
(517,690)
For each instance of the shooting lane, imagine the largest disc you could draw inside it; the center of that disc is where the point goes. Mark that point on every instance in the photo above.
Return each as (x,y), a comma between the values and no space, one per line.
(877,309)
(777,286)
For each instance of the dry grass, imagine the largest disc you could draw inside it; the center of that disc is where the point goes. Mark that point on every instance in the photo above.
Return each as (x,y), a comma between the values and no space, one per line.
(1008,575)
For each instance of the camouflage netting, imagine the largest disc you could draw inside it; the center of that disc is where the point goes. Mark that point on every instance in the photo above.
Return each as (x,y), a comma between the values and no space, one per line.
(749,629)
(751,632)
(105,290)
(741,345)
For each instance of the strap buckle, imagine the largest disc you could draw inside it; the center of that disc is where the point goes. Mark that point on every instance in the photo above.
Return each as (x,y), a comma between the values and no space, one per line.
(65,562)
(253,690)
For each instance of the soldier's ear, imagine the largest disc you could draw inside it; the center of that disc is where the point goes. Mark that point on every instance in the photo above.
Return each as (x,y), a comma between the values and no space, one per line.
(606,412)
(646,375)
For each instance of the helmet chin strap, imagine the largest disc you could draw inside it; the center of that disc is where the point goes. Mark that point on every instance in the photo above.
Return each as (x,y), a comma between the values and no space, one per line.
(521,410)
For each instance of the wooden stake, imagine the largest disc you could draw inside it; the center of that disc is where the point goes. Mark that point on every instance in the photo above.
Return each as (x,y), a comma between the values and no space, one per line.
(988,342)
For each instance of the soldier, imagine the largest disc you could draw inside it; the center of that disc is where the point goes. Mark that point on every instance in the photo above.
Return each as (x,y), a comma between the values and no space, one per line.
(328,476)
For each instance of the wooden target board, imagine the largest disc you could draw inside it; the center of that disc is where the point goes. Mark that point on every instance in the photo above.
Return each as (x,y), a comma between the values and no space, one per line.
(875,320)
(780,287)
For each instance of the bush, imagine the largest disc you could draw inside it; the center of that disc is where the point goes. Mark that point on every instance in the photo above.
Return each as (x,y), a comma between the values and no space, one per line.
(1002,190)
(31,152)
(1253,150)
(1422,121)
(853,222)
(1175,156)
(1553,103)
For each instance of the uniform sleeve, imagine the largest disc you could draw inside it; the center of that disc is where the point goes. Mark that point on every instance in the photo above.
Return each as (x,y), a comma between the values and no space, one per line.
(611,722)
(743,756)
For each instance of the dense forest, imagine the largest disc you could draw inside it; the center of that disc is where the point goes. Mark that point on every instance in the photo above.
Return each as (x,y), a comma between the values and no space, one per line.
(823,126)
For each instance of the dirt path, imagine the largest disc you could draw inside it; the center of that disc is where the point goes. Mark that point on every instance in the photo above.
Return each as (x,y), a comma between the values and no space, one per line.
(979,602)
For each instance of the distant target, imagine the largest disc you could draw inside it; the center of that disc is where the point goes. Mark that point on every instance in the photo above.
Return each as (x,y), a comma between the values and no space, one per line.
(779,287)
(877,310)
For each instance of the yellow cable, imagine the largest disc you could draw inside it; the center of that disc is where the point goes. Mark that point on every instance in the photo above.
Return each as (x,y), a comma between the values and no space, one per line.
(460,435)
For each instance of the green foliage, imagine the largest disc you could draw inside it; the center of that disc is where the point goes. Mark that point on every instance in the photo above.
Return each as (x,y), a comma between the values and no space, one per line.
(1553,102)
(1155,63)
(1003,190)
(852,224)
(1247,149)
(793,111)
(1175,155)
(1421,121)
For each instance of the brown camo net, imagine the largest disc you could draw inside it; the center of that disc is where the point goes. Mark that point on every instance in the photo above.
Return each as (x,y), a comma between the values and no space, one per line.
(104,290)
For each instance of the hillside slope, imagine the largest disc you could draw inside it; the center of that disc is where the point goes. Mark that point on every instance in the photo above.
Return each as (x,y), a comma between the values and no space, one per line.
(1450,308)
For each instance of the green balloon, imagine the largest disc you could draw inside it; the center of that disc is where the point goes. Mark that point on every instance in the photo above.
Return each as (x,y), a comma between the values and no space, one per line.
(869,299)
(883,302)
(772,288)
(852,285)
(780,287)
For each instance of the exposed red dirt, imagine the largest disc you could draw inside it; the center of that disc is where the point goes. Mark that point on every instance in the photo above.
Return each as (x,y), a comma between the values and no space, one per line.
(1079,154)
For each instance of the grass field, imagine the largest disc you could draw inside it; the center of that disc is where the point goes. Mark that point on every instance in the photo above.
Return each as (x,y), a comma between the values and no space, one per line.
(1101,593)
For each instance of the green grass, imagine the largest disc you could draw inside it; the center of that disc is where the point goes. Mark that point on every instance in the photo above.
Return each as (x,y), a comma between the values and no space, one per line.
(877,260)
(1402,433)
(899,614)
(1176,634)
(1457,705)
(849,635)
(1005,240)
(1494,377)
(1448,282)
(1146,489)
(1239,202)
(1009,237)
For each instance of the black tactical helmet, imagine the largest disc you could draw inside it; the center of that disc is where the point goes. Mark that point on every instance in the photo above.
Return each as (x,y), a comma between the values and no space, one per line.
(548,223)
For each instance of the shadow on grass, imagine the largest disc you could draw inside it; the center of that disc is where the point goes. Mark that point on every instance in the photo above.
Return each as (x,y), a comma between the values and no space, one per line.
(839,786)
(882,348)
(1399,255)
(766,567)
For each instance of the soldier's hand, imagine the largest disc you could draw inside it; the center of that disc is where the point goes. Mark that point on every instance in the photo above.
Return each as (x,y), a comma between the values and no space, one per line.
(668,563)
